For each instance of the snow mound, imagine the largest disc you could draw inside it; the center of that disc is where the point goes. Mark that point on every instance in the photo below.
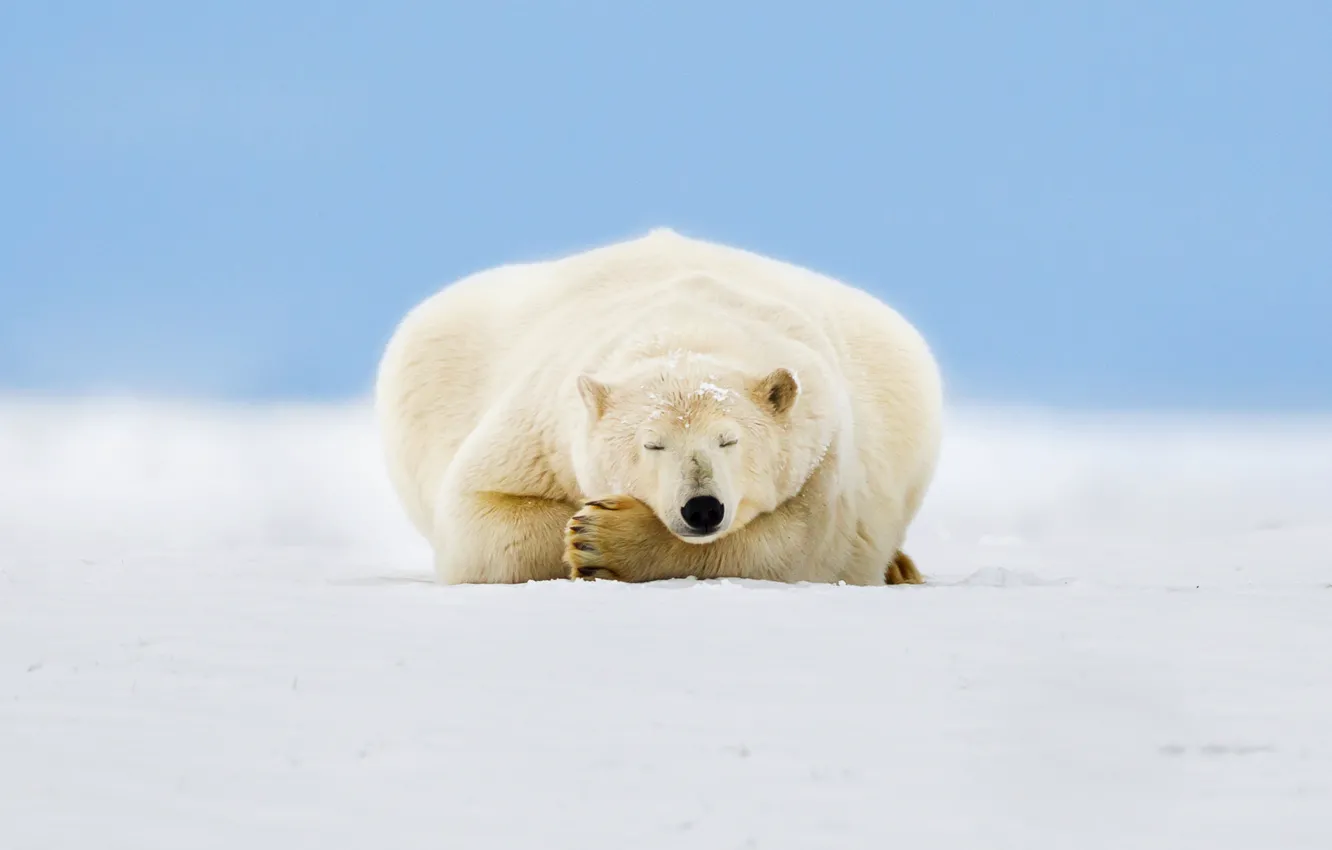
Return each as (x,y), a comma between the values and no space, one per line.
(1005,577)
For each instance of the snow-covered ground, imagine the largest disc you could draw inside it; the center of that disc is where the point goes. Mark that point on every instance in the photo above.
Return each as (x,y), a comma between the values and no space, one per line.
(217,631)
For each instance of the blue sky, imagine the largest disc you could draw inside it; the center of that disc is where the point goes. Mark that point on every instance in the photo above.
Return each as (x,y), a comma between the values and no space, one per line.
(1094,204)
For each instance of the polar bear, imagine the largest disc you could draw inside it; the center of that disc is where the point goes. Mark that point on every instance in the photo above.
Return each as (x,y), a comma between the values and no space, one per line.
(662,407)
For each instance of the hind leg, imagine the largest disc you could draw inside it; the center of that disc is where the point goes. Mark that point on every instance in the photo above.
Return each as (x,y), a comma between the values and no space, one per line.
(903,570)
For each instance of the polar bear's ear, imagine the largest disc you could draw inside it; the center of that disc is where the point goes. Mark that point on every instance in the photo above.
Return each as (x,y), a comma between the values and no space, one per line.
(595,395)
(777,391)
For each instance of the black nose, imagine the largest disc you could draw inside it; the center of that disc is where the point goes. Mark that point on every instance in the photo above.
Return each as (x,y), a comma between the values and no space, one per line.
(703,513)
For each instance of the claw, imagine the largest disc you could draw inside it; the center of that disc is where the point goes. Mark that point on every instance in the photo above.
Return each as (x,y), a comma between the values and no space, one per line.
(595,573)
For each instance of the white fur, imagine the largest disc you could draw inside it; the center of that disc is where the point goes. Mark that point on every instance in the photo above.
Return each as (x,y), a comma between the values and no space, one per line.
(488,390)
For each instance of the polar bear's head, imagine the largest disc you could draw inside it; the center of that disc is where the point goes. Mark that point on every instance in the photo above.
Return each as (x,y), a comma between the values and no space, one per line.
(708,449)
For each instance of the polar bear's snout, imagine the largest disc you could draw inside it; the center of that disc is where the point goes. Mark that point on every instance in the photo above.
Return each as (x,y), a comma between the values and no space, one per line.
(696,502)
(703,514)
(698,513)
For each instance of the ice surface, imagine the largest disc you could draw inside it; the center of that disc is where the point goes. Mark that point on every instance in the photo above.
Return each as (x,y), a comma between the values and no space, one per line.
(216,630)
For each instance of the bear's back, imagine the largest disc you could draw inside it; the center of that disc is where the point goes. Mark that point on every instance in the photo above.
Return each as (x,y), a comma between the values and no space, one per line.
(548,314)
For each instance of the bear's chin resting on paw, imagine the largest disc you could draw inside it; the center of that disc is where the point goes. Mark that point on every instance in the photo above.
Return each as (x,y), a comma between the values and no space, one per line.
(771,423)
(619,538)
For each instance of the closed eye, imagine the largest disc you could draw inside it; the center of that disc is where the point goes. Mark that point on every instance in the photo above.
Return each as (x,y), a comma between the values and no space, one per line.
(653,447)
(727,442)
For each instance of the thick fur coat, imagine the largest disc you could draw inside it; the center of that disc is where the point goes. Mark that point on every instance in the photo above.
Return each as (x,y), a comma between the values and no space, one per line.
(657,408)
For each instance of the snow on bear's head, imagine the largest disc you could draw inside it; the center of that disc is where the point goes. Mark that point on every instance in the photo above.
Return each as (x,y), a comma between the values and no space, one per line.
(705,447)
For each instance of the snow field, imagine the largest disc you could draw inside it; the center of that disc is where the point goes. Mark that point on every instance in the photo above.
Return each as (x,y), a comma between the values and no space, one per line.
(216,630)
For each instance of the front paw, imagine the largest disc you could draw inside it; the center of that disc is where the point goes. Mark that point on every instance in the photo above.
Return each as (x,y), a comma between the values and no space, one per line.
(606,539)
